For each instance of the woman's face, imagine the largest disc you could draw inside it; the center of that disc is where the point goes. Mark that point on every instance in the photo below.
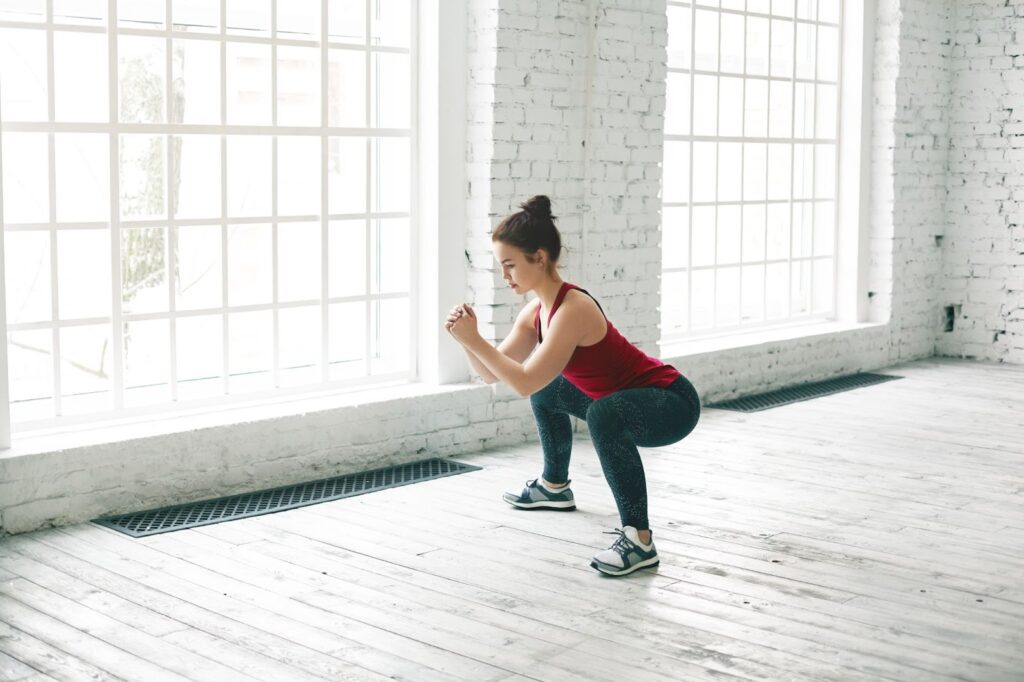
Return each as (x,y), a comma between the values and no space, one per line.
(516,269)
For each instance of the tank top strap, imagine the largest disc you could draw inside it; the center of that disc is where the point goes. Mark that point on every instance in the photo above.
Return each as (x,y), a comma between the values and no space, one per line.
(559,298)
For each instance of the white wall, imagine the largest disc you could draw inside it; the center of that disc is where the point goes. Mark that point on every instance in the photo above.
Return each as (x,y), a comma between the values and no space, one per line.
(983,260)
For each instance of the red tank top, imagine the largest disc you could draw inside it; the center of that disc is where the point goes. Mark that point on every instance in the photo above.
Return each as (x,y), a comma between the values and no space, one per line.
(613,363)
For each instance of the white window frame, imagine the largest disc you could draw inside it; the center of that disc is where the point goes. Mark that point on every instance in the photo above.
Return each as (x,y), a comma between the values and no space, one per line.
(849,28)
(417,362)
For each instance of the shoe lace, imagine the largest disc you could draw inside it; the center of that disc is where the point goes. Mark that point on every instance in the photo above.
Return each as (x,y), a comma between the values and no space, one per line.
(623,544)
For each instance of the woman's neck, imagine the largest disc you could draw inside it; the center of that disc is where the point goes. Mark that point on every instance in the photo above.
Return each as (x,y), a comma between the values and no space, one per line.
(548,290)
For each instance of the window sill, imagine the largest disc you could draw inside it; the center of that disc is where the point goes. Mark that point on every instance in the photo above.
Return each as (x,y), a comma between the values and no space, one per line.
(185,420)
(689,348)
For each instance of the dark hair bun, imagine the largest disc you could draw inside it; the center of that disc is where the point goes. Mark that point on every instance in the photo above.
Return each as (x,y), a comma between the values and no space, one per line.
(538,207)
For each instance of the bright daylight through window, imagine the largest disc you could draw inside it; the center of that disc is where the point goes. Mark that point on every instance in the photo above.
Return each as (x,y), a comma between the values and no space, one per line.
(749,184)
(204,199)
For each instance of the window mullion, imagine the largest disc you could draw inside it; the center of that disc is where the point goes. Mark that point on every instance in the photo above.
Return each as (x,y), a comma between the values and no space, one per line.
(117,338)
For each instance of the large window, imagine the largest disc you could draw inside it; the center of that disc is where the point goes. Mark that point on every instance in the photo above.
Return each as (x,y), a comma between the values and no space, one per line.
(750,169)
(204,199)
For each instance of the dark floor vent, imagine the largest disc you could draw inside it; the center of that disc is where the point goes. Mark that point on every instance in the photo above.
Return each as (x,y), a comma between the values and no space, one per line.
(206,512)
(795,394)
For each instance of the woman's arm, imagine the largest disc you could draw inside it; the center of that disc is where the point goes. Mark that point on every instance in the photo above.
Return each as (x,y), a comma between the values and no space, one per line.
(517,345)
(550,359)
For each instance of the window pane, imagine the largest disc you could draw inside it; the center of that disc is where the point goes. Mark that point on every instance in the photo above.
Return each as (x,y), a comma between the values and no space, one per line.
(776,290)
(300,18)
(752,293)
(23,10)
(346,22)
(147,362)
(142,176)
(86,12)
(706,40)
(250,265)
(83,282)
(347,341)
(824,281)
(195,81)
(347,258)
(298,175)
(803,224)
(780,117)
(803,171)
(298,261)
(82,176)
(757,46)
(677,104)
(800,303)
(778,231)
(249,175)
(250,351)
(299,345)
(730,107)
(141,13)
(197,276)
(782,49)
(26,183)
(249,83)
(828,54)
(346,175)
(732,43)
(805,9)
(825,116)
(730,175)
(23,73)
(705,105)
(198,16)
(703,310)
(756,108)
(30,374)
(390,258)
(298,86)
(754,169)
(805,50)
(824,227)
(389,95)
(675,237)
(824,171)
(248,17)
(679,37)
(200,350)
(86,362)
(803,116)
(389,23)
(729,228)
(389,325)
(144,270)
(727,296)
(346,89)
(784,8)
(80,76)
(703,237)
(705,171)
(779,171)
(141,65)
(674,302)
(676,175)
(27,270)
(196,176)
(389,174)
(753,232)
(828,10)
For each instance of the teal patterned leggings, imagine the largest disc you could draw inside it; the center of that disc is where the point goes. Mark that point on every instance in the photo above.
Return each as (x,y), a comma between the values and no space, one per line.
(618,423)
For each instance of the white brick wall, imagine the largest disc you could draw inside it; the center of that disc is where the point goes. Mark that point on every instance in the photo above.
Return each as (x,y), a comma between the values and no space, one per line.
(983,262)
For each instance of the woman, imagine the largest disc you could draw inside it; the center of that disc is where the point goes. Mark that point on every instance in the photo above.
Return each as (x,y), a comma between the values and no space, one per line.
(583,367)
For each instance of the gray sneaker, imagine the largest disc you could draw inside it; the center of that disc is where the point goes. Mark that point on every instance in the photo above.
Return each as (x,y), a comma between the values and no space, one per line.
(536,496)
(626,555)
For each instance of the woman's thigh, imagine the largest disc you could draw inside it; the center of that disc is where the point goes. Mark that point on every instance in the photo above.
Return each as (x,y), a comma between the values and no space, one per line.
(653,417)
(561,395)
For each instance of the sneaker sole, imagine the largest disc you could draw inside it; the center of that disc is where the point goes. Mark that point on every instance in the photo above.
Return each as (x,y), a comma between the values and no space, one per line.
(553,506)
(611,570)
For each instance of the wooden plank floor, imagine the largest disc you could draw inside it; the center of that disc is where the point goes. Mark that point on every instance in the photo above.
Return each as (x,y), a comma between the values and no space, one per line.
(876,534)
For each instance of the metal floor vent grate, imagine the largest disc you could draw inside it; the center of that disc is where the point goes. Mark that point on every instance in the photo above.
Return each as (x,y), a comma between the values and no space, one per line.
(205,512)
(795,394)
